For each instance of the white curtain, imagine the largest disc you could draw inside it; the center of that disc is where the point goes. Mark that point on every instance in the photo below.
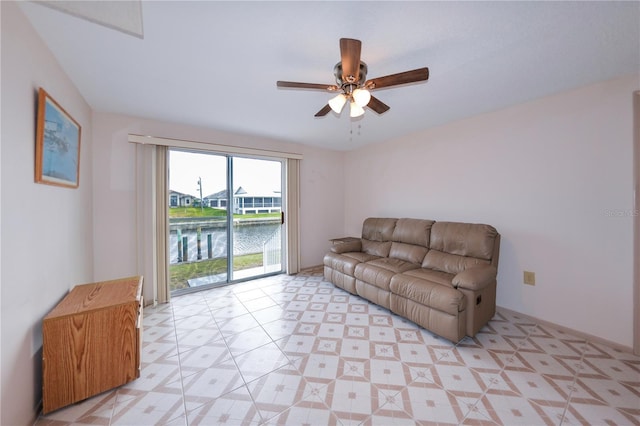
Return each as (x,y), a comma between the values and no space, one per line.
(292,215)
(152,222)
(162,225)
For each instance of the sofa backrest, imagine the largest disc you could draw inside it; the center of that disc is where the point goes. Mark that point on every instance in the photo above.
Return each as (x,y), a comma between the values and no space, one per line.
(376,235)
(455,246)
(410,240)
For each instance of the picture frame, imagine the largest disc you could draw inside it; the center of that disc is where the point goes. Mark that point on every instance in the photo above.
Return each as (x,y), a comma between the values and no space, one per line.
(57,144)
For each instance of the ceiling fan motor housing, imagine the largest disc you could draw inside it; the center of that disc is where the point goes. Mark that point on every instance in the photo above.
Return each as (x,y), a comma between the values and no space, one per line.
(344,81)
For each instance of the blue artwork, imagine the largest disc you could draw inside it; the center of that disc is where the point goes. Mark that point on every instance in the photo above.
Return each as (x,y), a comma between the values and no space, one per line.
(60,146)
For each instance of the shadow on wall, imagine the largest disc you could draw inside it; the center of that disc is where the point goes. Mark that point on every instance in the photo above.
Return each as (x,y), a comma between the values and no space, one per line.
(17,378)
(37,381)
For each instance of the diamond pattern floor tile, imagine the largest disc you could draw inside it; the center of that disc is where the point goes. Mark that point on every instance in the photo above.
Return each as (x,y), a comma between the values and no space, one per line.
(289,350)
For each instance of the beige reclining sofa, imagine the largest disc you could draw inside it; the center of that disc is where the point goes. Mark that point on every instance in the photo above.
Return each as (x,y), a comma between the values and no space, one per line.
(440,275)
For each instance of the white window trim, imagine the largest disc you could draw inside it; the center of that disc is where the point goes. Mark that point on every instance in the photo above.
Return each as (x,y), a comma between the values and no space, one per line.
(212,147)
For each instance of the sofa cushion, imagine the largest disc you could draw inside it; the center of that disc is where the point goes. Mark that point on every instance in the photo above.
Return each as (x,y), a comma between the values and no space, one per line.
(437,277)
(407,252)
(360,257)
(450,263)
(413,231)
(376,248)
(455,247)
(378,229)
(463,239)
(427,293)
(379,272)
(397,266)
(346,263)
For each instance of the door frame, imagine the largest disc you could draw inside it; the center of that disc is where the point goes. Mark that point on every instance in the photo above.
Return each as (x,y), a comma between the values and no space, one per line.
(229,161)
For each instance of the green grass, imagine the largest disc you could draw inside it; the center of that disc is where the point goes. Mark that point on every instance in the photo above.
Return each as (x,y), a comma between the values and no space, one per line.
(182,212)
(196,212)
(181,272)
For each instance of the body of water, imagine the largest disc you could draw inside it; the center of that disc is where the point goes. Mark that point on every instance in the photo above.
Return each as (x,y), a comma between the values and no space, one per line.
(247,239)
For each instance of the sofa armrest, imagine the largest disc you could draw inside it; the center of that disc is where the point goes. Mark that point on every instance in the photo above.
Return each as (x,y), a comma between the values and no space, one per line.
(347,247)
(475,278)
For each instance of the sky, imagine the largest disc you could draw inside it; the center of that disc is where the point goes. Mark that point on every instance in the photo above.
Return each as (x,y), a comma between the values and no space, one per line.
(255,176)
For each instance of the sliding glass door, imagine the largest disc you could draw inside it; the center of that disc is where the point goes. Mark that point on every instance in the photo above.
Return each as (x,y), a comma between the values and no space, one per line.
(225,221)
(257,222)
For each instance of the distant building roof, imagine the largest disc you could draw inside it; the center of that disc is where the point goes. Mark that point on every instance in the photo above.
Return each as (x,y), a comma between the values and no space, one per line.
(243,192)
(181,193)
(217,195)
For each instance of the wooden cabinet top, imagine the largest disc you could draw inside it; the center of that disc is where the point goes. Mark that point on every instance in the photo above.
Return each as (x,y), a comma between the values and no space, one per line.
(99,295)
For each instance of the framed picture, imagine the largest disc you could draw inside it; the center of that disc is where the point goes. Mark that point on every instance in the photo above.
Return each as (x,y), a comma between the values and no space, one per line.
(57,144)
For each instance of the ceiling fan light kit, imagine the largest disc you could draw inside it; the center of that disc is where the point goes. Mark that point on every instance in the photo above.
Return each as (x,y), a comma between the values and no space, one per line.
(350,74)
(355,110)
(337,103)
(361,97)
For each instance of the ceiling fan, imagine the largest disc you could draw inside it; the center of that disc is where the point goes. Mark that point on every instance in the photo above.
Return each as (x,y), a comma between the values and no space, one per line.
(351,82)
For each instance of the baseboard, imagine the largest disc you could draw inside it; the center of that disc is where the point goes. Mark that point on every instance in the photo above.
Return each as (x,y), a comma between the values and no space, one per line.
(586,336)
(311,268)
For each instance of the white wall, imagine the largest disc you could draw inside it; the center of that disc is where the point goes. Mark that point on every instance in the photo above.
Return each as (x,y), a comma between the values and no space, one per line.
(46,231)
(321,178)
(549,175)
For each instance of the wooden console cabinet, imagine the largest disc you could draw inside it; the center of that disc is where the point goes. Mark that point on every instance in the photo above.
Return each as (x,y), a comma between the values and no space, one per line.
(91,341)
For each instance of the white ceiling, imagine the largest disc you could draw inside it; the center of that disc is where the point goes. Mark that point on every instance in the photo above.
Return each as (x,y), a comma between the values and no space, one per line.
(215,64)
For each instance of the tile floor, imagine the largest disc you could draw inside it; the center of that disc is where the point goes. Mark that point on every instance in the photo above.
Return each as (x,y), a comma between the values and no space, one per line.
(296,350)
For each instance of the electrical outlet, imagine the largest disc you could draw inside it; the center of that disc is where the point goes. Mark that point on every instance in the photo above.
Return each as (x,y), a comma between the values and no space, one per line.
(529,278)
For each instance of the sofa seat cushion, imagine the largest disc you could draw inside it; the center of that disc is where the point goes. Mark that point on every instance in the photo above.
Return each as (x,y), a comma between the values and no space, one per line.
(361,256)
(451,263)
(379,272)
(428,293)
(438,277)
(407,252)
(346,262)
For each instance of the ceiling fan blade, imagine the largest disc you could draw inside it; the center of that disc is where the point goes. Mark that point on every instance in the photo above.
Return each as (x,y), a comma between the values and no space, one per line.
(295,85)
(324,111)
(377,105)
(350,57)
(419,74)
